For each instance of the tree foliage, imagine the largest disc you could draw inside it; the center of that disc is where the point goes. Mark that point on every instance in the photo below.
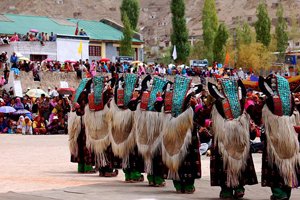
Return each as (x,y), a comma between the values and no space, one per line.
(220,43)
(179,36)
(132,9)
(126,41)
(255,56)
(263,25)
(209,27)
(197,51)
(243,34)
(280,32)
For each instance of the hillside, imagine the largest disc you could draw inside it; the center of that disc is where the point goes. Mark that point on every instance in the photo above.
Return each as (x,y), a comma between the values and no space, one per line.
(155,16)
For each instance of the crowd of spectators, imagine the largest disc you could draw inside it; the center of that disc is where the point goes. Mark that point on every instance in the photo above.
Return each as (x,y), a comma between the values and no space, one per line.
(48,114)
(29,36)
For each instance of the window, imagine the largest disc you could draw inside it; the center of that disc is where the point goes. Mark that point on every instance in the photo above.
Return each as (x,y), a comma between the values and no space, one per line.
(95,50)
(297,44)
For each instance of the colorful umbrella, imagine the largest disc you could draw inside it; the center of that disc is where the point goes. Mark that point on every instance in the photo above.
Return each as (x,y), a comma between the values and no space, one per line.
(36,93)
(7,109)
(69,91)
(21,112)
(104,60)
(34,30)
(24,59)
(48,60)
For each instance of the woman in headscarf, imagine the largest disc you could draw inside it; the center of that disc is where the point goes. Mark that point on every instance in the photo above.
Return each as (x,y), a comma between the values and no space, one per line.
(20,124)
(27,126)
(19,105)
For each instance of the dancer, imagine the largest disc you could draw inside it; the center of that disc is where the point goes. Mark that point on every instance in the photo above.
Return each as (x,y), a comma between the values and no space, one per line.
(231,161)
(149,121)
(280,162)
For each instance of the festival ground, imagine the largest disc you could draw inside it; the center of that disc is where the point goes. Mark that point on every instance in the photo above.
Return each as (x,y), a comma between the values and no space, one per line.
(38,168)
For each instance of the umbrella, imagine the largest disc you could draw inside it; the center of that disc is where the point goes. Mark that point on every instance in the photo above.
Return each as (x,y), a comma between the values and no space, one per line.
(70,61)
(136,62)
(7,109)
(24,59)
(36,93)
(48,60)
(69,91)
(21,112)
(104,60)
(34,30)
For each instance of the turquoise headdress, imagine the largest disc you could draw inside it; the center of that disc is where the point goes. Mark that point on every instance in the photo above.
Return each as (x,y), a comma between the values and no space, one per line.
(130,82)
(158,85)
(283,91)
(181,87)
(230,89)
(80,88)
(99,84)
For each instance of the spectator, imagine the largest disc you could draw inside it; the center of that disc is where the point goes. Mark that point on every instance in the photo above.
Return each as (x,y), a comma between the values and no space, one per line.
(20,124)
(3,126)
(15,38)
(14,60)
(18,105)
(27,126)
(39,126)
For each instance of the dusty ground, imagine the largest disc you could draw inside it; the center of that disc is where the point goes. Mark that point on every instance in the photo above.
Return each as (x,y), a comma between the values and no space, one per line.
(38,167)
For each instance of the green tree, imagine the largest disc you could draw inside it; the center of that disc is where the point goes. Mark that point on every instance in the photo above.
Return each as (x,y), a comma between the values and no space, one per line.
(243,34)
(180,35)
(132,9)
(280,33)
(263,25)
(209,27)
(197,51)
(220,43)
(126,41)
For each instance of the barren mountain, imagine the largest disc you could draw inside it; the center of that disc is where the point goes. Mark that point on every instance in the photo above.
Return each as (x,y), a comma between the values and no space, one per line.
(155,16)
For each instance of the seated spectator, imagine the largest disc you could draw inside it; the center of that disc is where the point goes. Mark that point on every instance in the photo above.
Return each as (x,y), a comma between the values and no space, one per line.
(5,40)
(46,37)
(27,126)
(3,126)
(52,37)
(18,105)
(82,33)
(15,38)
(11,126)
(55,126)
(20,124)
(26,37)
(39,126)
(32,37)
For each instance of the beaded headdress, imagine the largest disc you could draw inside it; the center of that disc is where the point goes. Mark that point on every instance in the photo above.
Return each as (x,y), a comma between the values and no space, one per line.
(230,90)
(130,82)
(181,87)
(281,88)
(158,85)
(99,84)
(80,89)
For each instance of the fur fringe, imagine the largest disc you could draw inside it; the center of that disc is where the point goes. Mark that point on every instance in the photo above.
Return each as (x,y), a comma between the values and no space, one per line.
(148,129)
(121,132)
(96,129)
(283,145)
(233,140)
(74,128)
(177,135)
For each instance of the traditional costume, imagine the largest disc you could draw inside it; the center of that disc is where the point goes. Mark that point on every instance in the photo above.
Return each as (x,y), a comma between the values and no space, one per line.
(76,130)
(180,143)
(280,164)
(121,128)
(149,121)
(97,126)
(231,160)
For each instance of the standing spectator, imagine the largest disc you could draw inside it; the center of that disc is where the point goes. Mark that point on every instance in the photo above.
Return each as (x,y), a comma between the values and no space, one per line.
(14,60)
(46,37)
(27,126)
